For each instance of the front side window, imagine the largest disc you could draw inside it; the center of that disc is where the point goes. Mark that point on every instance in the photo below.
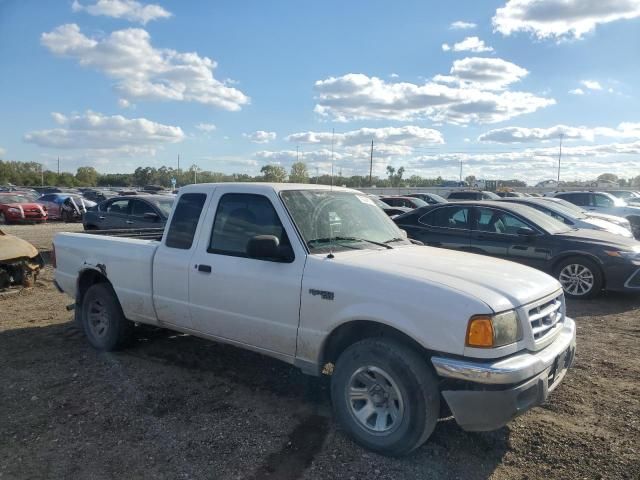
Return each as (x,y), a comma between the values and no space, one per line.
(139,208)
(602,201)
(447,217)
(239,218)
(497,221)
(185,221)
(581,199)
(118,206)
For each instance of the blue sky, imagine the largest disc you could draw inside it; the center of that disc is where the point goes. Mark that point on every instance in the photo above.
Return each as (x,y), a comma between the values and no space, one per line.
(234,85)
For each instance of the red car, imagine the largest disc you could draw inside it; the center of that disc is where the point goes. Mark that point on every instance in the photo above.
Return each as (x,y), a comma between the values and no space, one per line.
(16,208)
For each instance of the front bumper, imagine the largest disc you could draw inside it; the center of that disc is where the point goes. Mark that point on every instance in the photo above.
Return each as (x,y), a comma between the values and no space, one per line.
(487,395)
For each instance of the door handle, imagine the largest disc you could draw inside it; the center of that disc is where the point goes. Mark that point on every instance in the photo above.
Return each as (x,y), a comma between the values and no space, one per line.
(100,218)
(204,268)
(129,222)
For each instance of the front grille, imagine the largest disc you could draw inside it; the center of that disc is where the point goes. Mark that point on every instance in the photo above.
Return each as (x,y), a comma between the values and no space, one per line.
(545,316)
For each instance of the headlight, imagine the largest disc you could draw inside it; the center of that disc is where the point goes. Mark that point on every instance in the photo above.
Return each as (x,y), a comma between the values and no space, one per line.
(488,331)
(14,210)
(632,254)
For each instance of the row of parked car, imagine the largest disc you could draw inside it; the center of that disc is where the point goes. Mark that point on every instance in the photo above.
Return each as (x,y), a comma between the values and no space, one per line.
(571,235)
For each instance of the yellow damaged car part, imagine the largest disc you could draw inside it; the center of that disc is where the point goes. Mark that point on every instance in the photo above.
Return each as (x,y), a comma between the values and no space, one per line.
(20,262)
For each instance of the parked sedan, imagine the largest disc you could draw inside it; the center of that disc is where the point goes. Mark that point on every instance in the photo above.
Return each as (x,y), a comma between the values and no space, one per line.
(16,208)
(430,198)
(388,209)
(148,211)
(570,217)
(472,195)
(408,202)
(65,206)
(603,202)
(584,261)
(629,196)
(621,221)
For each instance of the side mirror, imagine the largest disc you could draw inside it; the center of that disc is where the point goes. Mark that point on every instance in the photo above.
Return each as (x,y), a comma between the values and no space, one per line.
(526,232)
(265,247)
(152,216)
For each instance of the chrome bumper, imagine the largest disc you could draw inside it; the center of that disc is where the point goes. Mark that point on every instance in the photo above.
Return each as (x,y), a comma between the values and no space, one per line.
(514,369)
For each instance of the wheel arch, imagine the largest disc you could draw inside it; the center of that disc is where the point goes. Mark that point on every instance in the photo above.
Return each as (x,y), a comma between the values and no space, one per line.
(348,333)
(87,278)
(588,256)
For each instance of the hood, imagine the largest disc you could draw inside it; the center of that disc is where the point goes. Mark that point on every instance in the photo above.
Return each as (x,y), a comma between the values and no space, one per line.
(24,206)
(610,218)
(608,226)
(500,284)
(12,247)
(599,237)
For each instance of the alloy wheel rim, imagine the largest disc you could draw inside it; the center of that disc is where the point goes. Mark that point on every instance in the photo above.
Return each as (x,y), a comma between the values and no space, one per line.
(374,400)
(98,319)
(576,279)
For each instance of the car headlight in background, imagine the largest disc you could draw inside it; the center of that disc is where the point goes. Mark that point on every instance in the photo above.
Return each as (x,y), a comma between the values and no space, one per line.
(13,210)
(633,254)
(489,331)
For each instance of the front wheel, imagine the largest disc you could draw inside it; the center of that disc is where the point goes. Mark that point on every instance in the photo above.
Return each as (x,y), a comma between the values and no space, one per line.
(385,395)
(102,318)
(580,277)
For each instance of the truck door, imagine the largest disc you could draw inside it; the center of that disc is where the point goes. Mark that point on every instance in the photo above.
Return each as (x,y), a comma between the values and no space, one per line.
(172,262)
(252,301)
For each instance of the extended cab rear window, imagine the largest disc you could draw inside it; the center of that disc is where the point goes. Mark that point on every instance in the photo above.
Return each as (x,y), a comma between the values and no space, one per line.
(185,220)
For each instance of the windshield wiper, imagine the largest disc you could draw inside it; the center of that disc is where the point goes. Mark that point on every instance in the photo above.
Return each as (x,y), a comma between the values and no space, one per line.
(349,239)
(395,239)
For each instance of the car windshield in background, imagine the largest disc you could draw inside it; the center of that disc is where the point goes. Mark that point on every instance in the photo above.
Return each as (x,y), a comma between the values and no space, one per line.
(164,205)
(418,202)
(562,209)
(4,199)
(543,220)
(438,198)
(337,220)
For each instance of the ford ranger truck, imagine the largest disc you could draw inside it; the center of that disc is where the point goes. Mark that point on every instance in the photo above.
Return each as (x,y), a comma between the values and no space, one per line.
(321,278)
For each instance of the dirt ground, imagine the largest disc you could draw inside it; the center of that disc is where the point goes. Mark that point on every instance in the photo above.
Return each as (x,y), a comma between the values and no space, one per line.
(173,406)
(41,235)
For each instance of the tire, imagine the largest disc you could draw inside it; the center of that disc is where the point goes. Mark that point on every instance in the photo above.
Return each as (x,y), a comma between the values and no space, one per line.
(3,219)
(575,273)
(400,381)
(65,216)
(103,322)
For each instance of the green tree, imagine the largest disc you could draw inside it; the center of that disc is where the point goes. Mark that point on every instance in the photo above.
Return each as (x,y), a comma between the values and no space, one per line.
(273,173)
(610,177)
(87,176)
(299,173)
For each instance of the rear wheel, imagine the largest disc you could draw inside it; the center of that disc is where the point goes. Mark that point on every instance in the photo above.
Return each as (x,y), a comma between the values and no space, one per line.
(103,322)
(385,395)
(580,277)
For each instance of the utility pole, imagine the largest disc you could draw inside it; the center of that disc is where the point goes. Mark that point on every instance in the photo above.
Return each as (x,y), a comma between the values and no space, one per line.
(560,157)
(41,176)
(58,166)
(178,175)
(297,153)
(460,172)
(371,165)
(317,174)
(195,174)
(333,131)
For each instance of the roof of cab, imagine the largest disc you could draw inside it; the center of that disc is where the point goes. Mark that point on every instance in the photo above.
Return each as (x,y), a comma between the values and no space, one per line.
(260,187)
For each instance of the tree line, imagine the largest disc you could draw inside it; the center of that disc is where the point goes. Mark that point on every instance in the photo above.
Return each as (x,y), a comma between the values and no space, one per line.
(31,174)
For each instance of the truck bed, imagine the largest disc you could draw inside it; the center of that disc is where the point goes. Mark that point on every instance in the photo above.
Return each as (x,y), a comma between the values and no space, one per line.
(140,233)
(126,262)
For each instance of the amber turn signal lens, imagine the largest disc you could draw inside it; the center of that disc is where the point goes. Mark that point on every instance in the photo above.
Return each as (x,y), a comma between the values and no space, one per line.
(480,332)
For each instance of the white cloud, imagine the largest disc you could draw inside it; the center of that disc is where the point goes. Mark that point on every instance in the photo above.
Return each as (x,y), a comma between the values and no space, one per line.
(526,135)
(143,72)
(127,9)
(469,44)
(260,136)
(394,75)
(484,73)
(206,127)
(2,152)
(561,18)
(96,132)
(406,135)
(124,103)
(461,25)
(357,96)
(576,91)
(591,84)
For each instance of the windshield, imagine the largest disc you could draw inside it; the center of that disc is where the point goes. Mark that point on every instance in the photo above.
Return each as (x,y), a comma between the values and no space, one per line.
(418,202)
(165,205)
(568,205)
(437,198)
(4,199)
(378,202)
(562,209)
(337,220)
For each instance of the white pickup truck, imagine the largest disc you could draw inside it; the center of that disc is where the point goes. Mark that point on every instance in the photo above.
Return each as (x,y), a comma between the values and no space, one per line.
(320,278)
